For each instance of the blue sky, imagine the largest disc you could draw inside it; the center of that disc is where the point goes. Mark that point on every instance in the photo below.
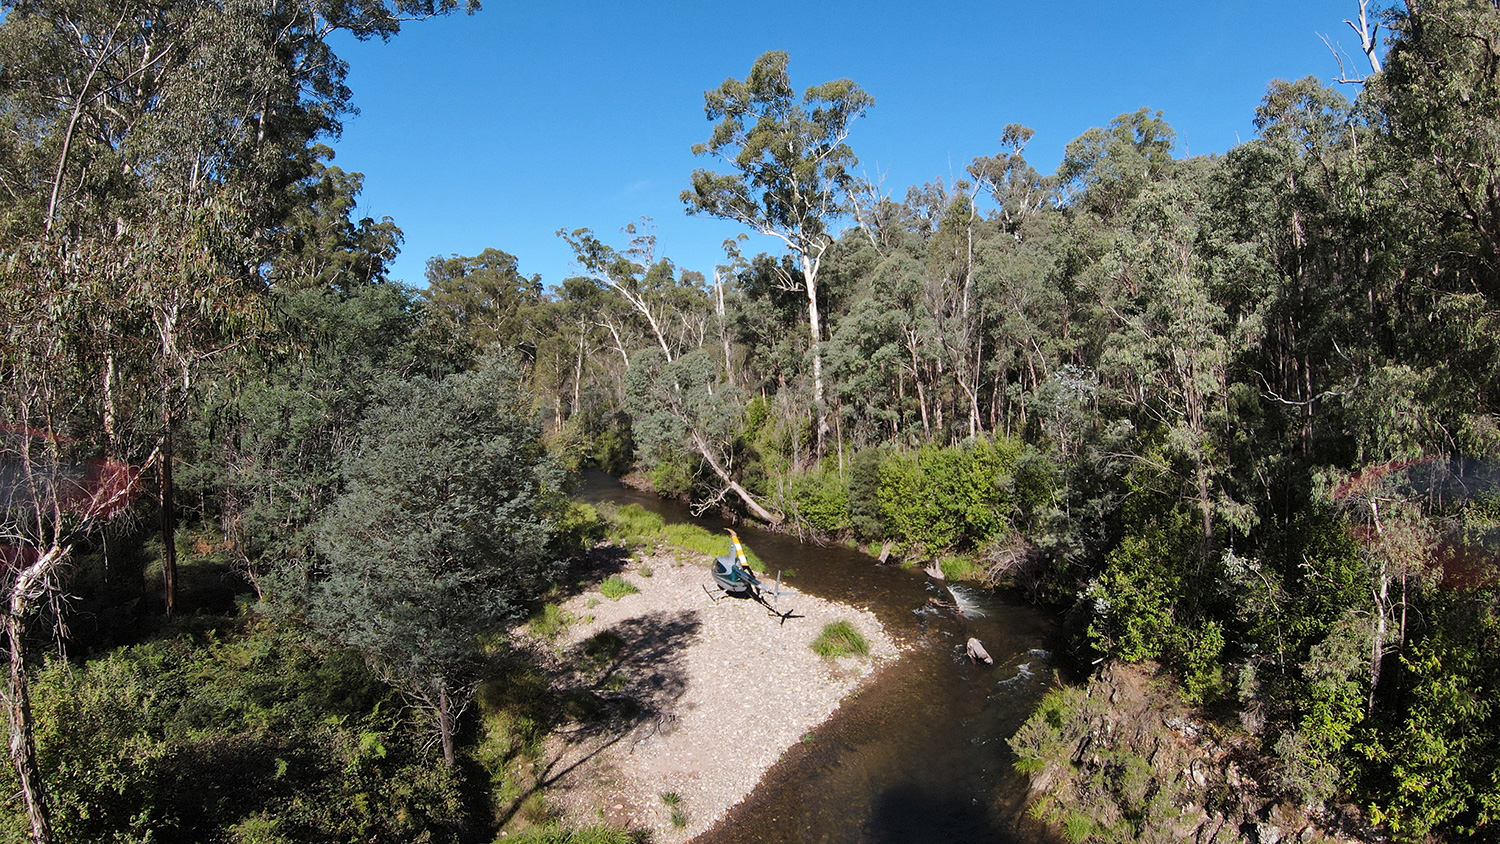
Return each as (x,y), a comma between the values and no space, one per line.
(498,129)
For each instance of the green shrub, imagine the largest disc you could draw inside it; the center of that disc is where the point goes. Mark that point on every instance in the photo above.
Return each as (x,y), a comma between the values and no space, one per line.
(672,477)
(948,498)
(840,638)
(1047,738)
(1198,656)
(821,500)
(616,587)
(865,516)
(248,736)
(578,529)
(1136,597)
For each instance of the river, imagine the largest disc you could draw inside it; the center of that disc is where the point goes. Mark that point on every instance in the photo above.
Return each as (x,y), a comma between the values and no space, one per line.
(919,754)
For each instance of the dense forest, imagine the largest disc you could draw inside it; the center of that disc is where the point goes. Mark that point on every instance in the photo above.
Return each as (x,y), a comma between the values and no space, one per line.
(266,511)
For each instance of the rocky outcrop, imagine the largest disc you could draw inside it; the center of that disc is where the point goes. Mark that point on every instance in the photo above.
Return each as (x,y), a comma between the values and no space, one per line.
(1122,759)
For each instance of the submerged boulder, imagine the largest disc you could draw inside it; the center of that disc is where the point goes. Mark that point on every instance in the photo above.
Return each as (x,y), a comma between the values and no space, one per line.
(978,653)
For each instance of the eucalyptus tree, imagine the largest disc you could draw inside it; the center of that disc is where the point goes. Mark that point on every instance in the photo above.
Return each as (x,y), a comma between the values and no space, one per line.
(765,324)
(1017,189)
(276,426)
(792,175)
(674,308)
(1436,198)
(1287,234)
(685,406)
(1170,353)
(1439,102)
(1103,169)
(146,151)
(322,245)
(485,300)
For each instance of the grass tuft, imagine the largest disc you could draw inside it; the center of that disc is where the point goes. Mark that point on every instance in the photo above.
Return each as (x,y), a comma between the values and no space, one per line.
(616,587)
(961,568)
(553,834)
(840,638)
(549,622)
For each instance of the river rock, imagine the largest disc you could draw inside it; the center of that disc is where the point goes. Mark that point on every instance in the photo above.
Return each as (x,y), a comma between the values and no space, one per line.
(1267,833)
(978,653)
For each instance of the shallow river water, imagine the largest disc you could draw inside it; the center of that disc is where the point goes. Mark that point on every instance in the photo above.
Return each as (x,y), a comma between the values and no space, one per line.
(919,754)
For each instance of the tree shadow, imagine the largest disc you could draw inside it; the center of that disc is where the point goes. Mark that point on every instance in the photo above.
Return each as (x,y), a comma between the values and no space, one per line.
(589,568)
(623,682)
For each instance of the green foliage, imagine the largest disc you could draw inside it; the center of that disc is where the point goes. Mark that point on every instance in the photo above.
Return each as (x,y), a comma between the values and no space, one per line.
(580,835)
(636,525)
(443,534)
(1311,574)
(616,587)
(1199,658)
(1046,738)
(792,165)
(1435,769)
(253,733)
(672,476)
(947,498)
(1105,169)
(865,516)
(840,638)
(578,528)
(820,500)
(1135,598)
(483,299)
(283,428)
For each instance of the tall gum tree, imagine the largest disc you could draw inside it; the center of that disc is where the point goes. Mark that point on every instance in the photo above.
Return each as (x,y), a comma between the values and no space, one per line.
(792,177)
(148,155)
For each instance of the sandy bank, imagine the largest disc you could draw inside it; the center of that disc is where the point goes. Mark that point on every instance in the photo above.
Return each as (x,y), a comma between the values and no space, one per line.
(705,696)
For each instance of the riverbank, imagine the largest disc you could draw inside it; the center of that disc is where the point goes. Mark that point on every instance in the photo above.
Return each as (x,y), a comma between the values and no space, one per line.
(699,698)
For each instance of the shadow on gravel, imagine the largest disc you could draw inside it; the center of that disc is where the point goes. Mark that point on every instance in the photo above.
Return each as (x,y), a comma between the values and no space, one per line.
(627,677)
(587,570)
(634,671)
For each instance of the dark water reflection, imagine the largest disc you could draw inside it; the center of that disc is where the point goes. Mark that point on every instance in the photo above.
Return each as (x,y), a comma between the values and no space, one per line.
(919,754)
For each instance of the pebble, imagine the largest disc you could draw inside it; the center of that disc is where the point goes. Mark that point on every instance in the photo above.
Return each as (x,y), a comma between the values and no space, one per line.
(741,708)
